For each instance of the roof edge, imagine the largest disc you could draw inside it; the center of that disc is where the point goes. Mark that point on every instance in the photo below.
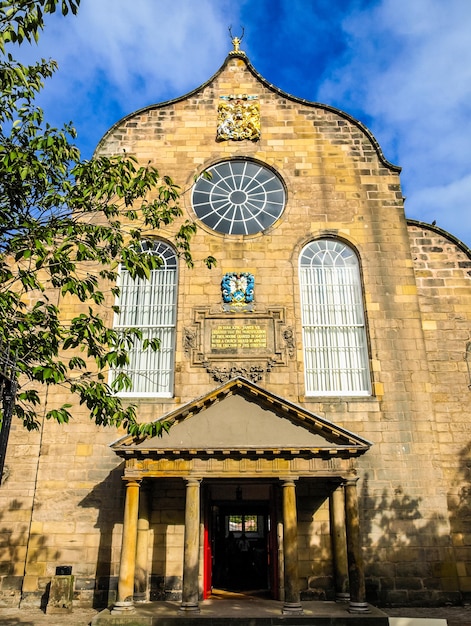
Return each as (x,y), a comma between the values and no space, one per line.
(241,55)
(326,107)
(241,383)
(440,231)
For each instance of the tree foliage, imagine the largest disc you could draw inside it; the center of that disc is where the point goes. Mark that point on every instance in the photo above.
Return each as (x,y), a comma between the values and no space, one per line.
(65,226)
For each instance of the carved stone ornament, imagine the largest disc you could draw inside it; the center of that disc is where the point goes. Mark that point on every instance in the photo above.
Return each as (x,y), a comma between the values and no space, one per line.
(254,373)
(189,339)
(238,118)
(288,336)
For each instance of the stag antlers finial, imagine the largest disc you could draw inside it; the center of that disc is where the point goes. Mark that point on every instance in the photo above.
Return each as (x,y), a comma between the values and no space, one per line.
(236,40)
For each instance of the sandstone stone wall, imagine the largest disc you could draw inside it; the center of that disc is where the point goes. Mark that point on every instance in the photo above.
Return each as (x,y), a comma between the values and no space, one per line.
(316,567)
(167,538)
(63,501)
(443,270)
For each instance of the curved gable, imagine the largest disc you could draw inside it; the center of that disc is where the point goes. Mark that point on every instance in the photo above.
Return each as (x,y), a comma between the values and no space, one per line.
(239,61)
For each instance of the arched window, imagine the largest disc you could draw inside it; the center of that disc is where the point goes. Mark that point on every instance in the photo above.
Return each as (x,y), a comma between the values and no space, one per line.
(334,335)
(150,305)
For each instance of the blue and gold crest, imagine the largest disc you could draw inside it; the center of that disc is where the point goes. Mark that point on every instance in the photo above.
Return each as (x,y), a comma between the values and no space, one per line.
(238,290)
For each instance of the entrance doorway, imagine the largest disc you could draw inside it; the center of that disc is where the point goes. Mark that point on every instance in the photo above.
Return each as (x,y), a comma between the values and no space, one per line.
(240,545)
(240,559)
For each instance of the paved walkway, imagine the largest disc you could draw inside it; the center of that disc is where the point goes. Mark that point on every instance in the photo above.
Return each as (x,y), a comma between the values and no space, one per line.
(456,616)
(35,617)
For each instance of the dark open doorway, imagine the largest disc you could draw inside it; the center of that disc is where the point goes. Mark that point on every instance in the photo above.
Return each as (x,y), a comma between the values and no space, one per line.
(241,546)
(240,558)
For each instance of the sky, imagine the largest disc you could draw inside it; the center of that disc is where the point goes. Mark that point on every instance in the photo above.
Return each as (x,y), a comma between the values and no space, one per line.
(402,67)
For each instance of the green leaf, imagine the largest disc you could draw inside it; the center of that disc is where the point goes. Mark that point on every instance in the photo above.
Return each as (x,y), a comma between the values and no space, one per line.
(66,226)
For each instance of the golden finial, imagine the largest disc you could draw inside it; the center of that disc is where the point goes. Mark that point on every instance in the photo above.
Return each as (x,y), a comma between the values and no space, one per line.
(236,41)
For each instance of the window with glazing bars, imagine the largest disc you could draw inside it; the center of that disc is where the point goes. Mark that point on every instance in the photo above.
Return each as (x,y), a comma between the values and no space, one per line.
(334,335)
(150,305)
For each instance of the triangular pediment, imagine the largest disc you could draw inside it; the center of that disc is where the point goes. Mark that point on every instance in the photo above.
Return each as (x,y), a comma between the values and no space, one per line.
(241,417)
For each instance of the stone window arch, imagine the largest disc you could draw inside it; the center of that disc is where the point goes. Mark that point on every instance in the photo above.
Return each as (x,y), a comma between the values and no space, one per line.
(332,313)
(150,305)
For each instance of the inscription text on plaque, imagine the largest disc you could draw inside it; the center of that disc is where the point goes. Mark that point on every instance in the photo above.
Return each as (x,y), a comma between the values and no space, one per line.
(245,337)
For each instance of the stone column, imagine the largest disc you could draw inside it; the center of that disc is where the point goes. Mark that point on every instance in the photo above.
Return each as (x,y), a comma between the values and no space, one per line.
(127,563)
(190,591)
(141,574)
(355,561)
(292,604)
(339,544)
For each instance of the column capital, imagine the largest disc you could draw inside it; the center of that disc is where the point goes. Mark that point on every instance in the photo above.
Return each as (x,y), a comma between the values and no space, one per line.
(351,481)
(191,480)
(287,481)
(130,482)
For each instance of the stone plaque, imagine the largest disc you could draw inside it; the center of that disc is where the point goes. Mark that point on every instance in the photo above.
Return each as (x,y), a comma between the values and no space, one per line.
(247,345)
(239,337)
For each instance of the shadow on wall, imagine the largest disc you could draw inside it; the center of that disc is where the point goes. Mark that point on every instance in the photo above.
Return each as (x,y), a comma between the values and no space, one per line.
(167,521)
(315,565)
(459,505)
(407,558)
(166,503)
(108,499)
(14,549)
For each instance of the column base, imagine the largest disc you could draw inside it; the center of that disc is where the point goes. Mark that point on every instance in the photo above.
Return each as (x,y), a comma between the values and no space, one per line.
(342,597)
(292,608)
(119,608)
(358,607)
(189,607)
(140,598)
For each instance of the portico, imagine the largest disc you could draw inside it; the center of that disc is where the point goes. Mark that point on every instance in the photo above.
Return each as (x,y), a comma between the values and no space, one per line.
(240,449)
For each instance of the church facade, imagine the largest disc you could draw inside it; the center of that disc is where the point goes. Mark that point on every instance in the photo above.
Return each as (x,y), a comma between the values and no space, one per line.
(316,380)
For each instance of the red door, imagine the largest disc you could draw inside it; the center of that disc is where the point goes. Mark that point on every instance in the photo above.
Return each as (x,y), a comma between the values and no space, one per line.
(207,555)
(214,546)
(273,568)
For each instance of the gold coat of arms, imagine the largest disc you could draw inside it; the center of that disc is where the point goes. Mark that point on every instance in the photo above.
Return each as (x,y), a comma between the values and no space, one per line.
(238,118)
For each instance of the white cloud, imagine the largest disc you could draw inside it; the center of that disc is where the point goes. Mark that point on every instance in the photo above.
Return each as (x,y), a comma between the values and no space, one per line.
(117,56)
(157,44)
(434,202)
(409,68)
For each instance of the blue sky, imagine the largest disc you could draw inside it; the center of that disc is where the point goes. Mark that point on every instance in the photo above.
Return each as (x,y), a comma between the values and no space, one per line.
(402,67)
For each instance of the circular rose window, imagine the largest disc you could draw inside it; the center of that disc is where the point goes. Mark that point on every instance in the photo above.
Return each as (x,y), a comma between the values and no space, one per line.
(239,197)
